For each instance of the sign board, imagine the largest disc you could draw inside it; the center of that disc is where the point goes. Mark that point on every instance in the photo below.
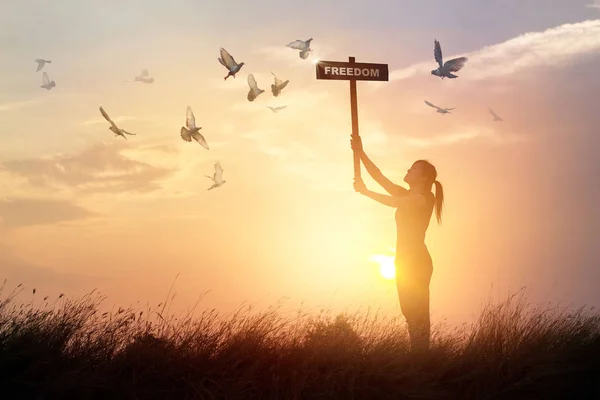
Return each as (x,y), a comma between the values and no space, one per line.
(352,71)
(337,70)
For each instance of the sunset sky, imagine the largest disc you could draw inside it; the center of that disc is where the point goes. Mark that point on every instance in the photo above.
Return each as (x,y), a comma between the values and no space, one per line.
(81,209)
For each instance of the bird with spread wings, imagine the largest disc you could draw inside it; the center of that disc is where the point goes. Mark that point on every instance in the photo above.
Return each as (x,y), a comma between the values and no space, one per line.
(229,62)
(445,69)
(440,110)
(113,127)
(217,178)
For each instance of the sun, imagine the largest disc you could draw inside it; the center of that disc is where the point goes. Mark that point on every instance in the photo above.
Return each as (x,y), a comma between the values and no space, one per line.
(387,267)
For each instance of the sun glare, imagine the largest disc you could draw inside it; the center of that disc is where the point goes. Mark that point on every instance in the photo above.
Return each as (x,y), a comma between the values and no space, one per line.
(387,268)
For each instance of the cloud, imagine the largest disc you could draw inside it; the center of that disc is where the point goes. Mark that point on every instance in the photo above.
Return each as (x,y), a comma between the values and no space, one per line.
(552,47)
(15,105)
(279,53)
(98,169)
(163,148)
(465,134)
(595,5)
(239,83)
(116,120)
(285,134)
(21,212)
(265,140)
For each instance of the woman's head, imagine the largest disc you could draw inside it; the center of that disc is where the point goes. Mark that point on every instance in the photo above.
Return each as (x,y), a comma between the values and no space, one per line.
(423,174)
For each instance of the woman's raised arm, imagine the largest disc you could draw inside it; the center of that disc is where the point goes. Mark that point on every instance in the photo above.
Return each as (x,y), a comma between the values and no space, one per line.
(389,186)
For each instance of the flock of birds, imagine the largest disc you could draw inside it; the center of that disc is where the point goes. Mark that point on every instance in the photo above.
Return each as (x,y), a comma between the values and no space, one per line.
(46,83)
(191,132)
(445,70)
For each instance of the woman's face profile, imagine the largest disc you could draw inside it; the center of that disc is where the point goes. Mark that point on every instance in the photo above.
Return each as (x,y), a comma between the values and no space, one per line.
(415,174)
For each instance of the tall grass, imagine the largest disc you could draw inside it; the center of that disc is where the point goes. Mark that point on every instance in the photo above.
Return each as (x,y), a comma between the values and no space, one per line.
(66,348)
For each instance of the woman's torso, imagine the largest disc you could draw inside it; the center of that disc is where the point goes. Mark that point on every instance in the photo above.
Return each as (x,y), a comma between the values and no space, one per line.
(410,231)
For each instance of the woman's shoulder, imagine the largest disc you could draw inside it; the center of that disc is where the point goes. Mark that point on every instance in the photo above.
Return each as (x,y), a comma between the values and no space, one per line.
(426,197)
(416,200)
(427,200)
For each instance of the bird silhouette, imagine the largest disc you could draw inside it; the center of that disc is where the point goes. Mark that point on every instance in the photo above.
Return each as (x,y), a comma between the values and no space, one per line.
(254,90)
(40,63)
(113,127)
(228,62)
(144,77)
(496,117)
(278,86)
(217,178)
(440,110)
(46,83)
(445,69)
(303,46)
(190,130)
(276,109)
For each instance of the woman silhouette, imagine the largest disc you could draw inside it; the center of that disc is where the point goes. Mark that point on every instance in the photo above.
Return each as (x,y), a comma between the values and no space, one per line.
(414,266)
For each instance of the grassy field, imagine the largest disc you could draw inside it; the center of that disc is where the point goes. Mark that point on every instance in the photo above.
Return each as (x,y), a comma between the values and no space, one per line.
(65,348)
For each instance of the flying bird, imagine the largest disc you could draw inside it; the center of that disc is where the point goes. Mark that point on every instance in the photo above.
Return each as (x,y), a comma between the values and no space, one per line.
(217,178)
(440,110)
(276,109)
(144,77)
(496,117)
(254,90)
(41,62)
(190,130)
(303,46)
(228,62)
(46,83)
(278,86)
(445,69)
(113,127)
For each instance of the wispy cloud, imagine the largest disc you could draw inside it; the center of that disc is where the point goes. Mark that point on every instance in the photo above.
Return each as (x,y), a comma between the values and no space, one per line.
(274,151)
(21,212)
(438,140)
(162,147)
(552,47)
(264,140)
(595,4)
(239,83)
(465,134)
(15,105)
(117,119)
(183,161)
(98,169)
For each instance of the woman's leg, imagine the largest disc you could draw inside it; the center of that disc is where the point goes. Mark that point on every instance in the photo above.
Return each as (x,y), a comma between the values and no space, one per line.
(412,281)
(420,326)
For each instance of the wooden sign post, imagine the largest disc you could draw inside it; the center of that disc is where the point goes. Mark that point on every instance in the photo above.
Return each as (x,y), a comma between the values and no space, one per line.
(352,71)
